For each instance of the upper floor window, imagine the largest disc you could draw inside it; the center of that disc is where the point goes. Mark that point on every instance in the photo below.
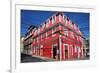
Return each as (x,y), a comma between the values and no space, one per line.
(75,49)
(34,40)
(38,30)
(42,35)
(60,17)
(35,32)
(72,35)
(53,19)
(43,26)
(46,34)
(53,30)
(37,39)
(47,23)
(65,31)
(75,26)
(77,37)
(65,20)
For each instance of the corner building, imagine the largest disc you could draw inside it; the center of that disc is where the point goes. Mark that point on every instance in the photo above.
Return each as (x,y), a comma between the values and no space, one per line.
(58,38)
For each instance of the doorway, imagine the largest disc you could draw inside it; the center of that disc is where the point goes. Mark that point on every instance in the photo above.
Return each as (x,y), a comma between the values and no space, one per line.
(55,52)
(66,52)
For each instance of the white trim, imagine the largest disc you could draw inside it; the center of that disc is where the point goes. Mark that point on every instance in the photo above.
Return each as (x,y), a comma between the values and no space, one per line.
(78,51)
(75,50)
(46,34)
(53,20)
(60,47)
(59,18)
(54,17)
(71,49)
(16,65)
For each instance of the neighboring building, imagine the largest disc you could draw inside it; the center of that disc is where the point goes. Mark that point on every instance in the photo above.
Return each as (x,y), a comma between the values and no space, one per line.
(22,46)
(57,38)
(28,40)
(86,48)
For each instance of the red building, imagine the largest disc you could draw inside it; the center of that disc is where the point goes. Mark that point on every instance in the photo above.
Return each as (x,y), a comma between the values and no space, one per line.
(58,38)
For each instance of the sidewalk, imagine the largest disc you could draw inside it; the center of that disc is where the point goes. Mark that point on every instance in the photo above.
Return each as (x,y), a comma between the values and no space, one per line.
(44,58)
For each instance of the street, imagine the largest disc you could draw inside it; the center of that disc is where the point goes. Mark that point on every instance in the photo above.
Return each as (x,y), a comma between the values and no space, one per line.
(28,58)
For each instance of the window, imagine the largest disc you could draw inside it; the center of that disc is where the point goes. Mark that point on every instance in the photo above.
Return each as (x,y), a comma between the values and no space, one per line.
(47,24)
(72,34)
(53,20)
(60,18)
(37,39)
(65,20)
(53,30)
(46,35)
(75,27)
(42,36)
(41,46)
(71,25)
(75,49)
(34,40)
(65,31)
(38,30)
(48,21)
(77,37)
(43,26)
(34,49)
(72,49)
(35,32)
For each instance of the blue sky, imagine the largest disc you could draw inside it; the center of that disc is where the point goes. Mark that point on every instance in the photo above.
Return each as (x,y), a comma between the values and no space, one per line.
(33,17)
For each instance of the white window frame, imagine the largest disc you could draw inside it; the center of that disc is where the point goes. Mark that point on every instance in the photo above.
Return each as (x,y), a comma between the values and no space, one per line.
(72,35)
(53,30)
(65,30)
(60,17)
(52,49)
(65,20)
(43,26)
(38,30)
(72,53)
(75,50)
(53,20)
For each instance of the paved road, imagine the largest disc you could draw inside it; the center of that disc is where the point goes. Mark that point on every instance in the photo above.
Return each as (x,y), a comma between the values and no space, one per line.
(28,58)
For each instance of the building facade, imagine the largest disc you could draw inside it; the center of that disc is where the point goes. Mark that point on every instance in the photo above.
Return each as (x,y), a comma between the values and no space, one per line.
(28,39)
(22,45)
(57,38)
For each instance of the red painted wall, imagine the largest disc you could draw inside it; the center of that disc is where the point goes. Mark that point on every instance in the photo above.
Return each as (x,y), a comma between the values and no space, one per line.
(47,42)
